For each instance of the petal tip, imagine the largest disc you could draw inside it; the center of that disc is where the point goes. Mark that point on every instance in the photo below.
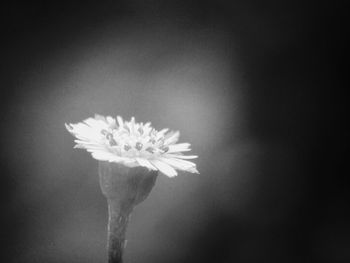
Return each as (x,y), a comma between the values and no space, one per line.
(68,127)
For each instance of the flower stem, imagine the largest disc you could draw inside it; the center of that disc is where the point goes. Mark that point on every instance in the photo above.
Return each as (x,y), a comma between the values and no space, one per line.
(117,224)
(124,188)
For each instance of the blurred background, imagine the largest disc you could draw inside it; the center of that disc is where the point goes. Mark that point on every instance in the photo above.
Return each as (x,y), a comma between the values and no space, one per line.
(256,88)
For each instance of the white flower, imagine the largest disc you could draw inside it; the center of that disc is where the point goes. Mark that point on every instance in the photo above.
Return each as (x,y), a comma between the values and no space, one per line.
(132,144)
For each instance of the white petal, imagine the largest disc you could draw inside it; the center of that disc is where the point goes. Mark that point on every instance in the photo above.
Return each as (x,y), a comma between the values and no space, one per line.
(78,146)
(180,156)
(171,138)
(181,164)
(193,170)
(161,133)
(184,163)
(95,148)
(96,124)
(85,132)
(145,163)
(87,142)
(164,168)
(181,147)
(130,163)
(110,120)
(102,156)
(93,138)
(146,128)
(68,127)
(120,121)
(146,125)
(132,125)
(100,117)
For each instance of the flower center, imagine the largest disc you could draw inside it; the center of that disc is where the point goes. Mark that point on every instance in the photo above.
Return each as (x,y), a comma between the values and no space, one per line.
(130,139)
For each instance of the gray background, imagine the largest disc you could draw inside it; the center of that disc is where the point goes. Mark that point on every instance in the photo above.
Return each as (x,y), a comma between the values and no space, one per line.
(254,86)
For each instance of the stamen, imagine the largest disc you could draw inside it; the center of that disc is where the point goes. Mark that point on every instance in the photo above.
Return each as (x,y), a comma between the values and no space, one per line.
(138,146)
(165,148)
(104,132)
(112,142)
(110,138)
(127,147)
(150,150)
(160,142)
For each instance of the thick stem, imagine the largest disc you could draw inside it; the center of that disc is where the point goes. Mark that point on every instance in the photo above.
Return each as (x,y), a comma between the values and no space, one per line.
(117,224)
(124,188)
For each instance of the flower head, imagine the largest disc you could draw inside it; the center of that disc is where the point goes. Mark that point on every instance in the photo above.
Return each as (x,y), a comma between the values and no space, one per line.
(132,144)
